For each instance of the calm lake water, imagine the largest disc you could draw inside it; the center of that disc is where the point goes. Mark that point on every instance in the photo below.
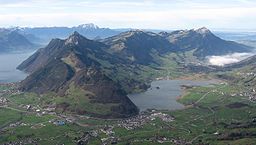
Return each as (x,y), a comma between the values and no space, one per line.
(8,64)
(164,97)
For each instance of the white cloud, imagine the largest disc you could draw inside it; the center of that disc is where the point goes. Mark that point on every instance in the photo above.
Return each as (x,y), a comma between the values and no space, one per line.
(161,14)
(228,59)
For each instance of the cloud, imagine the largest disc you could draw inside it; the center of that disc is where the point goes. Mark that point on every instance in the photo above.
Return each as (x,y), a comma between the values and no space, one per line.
(161,14)
(228,59)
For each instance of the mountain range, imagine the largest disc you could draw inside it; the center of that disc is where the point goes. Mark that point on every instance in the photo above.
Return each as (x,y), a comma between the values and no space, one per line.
(43,35)
(98,74)
(203,42)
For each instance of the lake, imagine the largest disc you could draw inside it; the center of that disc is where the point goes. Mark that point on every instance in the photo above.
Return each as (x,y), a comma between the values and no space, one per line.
(163,94)
(8,64)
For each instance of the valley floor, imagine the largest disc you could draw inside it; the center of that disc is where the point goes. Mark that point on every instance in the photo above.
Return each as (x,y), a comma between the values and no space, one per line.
(217,114)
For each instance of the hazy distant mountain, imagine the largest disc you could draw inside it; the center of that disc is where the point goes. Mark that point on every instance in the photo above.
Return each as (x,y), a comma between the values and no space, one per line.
(237,36)
(45,34)
(12,41)
(76,62)
(139,46)
(204,42)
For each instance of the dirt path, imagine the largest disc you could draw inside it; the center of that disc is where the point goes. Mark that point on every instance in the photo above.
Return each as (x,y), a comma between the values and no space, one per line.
(203,97)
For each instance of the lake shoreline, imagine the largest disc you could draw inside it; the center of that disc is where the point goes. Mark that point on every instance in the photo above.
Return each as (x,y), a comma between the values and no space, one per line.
(163,94)
(8,71)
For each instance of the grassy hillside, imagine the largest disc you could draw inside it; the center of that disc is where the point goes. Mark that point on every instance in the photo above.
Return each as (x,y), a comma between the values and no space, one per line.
(216,114)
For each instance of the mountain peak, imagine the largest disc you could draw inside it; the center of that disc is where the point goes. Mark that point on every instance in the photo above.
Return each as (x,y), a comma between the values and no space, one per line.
(75,33)
(164,34)
(137,31)
(134,32)
(203,30)
(88,26)
(75,38)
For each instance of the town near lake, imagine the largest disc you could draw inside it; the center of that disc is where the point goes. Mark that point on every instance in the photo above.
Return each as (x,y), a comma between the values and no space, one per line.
(137,72)
(203,119)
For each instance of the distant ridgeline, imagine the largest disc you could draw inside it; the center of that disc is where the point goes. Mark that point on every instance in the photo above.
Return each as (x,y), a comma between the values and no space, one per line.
(12,41)
(100,73)
(43,35)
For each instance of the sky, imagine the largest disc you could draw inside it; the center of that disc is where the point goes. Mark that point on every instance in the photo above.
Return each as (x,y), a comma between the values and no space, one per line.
(142,14)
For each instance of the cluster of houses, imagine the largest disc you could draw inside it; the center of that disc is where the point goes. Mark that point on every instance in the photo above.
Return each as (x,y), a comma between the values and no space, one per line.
(134,122)
(59,122)
(108,131)
(139,120)
(249,74)
(11,89)
(129,124)
(84,139)
(164,117)
(62,120)
(163,140)
(3,101)
(38,110)
(86,136)
(250,94)
(108,138)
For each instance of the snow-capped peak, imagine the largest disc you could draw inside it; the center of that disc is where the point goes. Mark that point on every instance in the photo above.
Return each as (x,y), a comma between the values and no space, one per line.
(88,26)
(203,30)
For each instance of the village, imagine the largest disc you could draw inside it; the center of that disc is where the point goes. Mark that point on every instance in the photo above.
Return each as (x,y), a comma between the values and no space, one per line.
(129,124)
(146,117)
(108,130)
(12,89)
(106,134)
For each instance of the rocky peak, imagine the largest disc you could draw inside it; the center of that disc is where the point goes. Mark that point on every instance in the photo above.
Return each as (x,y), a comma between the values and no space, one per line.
(203,31)
(75,38)
(75,34)
(164,34)
(88,26)
(135,33)
(185,33)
